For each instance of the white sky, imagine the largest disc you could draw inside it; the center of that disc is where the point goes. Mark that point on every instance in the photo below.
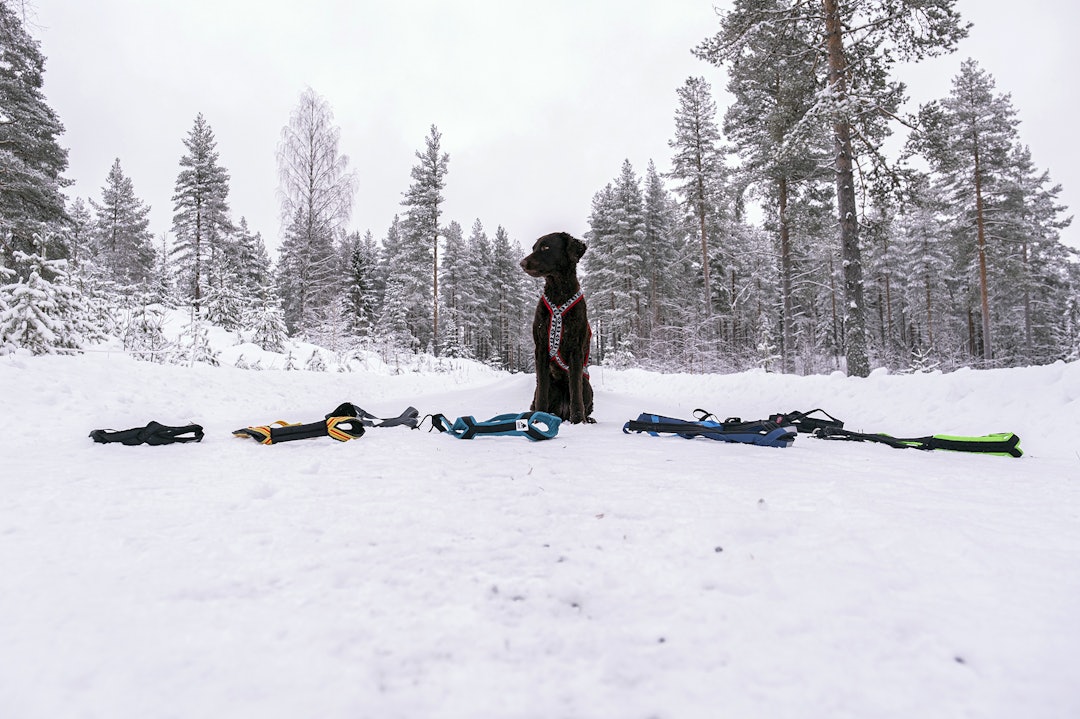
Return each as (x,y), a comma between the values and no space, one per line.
(539,103)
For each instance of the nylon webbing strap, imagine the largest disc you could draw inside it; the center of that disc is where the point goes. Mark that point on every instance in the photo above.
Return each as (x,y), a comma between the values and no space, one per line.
(537,426)
(342,425)
(1002,443)
(803,422)
(153,433)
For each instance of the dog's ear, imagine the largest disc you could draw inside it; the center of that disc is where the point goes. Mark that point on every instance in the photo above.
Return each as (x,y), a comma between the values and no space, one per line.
(575,248)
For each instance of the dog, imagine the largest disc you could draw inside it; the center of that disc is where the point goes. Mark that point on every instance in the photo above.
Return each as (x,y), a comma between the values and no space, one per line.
(561,331)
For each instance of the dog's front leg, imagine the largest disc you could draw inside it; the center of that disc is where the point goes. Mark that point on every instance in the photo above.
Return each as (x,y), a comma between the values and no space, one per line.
(542,395)
(577,402)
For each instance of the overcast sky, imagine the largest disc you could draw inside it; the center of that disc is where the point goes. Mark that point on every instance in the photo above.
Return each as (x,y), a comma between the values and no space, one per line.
(538,103)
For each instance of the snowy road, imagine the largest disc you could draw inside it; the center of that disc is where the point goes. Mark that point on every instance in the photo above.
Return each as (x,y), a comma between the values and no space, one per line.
(410,574)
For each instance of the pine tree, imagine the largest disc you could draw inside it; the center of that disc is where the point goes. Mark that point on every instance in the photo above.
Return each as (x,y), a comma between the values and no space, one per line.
(195,344)
(144,336)
(1035,281)
(80,237)
(316,190)
(667,270)
(477,293)
(510,319)
(200,203)
(699,171)
(31,158)
(861,43)
(42,315)
(453,269)
(122,239)
(772,79)
(423,201)
(265,327)
(967,138)
(360,257)
(250,261)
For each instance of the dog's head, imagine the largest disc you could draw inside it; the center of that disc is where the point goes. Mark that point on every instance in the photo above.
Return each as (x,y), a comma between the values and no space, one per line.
(554,254)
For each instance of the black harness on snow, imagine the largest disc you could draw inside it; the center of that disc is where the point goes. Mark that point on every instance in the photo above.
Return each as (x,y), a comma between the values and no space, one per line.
(153,433)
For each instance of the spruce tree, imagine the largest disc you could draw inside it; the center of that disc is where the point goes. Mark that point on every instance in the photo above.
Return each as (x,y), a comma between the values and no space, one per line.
(122,240)
(478,293)
(31,158)
(423,202)
(360,256)
(41,311)
(699,171)
(452,288)
(201,212)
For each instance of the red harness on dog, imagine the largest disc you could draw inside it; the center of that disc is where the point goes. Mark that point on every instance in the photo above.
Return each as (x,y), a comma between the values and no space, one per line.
(555,326)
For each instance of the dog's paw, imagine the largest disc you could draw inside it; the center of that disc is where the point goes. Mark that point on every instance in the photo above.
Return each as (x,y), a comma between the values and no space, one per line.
(590,420)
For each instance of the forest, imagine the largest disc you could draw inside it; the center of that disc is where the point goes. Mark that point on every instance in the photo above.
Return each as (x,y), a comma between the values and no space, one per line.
(793,232)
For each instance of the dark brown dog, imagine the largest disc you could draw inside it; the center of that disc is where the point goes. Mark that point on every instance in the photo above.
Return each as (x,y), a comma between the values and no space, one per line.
(561,331)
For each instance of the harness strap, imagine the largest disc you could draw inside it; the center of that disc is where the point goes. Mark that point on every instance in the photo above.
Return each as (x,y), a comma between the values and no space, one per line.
(555,330)
(536,426)
(408,418)
(341,425)
(1001,444)
(807,424)
(153,433)
(762,432)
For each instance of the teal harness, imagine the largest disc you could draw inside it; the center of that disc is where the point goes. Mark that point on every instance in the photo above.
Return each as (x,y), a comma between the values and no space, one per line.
(536,426)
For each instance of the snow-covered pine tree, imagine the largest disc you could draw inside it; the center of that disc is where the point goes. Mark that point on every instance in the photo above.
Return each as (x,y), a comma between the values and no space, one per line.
(862,43)
(668,271)
(967,138)
(360,258)
(250,261)
(316,362)
(31,158)
(617,264)
(477,293)
(264,325)
(452,273)
(698,169)
(512,320)
(600,274)
(123,246)
(201,212)
(80,233)
(163,283)
(422,202)
(782,145)
(144,335)
(922,243)
(40,310)
(195,343)
(224,300)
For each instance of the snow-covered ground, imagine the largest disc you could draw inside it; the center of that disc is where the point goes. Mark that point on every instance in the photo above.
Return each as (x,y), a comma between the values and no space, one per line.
(410,574)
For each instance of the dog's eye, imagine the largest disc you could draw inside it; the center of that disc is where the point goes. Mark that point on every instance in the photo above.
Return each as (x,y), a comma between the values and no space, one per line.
(545,248)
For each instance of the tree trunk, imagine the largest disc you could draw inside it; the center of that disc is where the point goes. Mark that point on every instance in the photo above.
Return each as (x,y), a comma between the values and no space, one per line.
(980,221)
(435,298)
(787,334)
(858,364)
(1027,305)
(705,256)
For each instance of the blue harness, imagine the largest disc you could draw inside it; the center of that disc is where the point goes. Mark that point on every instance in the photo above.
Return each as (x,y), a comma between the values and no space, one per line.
(536,426)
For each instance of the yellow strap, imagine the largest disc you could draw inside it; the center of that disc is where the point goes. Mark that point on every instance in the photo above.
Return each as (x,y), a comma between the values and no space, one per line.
(262,434)
(335,433)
